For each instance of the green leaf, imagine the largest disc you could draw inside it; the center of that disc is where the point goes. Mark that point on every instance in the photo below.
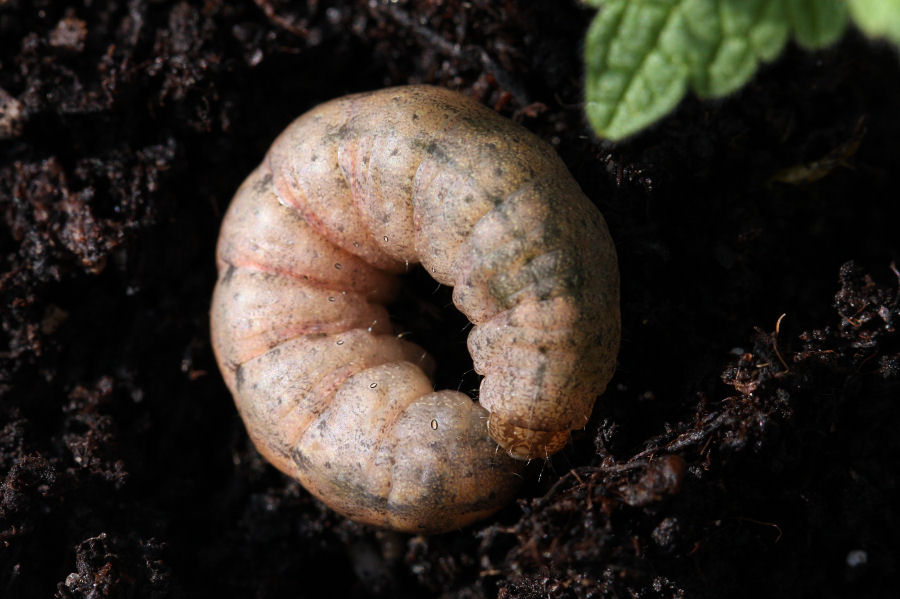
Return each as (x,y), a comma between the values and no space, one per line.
(738,35)
(877,18)
(631,79)
(817,23)
(641,56)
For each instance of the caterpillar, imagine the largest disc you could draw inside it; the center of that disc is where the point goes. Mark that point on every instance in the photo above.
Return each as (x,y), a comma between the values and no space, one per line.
(348,197)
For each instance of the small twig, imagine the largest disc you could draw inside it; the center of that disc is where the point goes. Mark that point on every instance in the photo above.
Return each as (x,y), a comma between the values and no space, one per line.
(279,21)
(575,472)
(772,524)
(775,344)
(710,425)
(432,38)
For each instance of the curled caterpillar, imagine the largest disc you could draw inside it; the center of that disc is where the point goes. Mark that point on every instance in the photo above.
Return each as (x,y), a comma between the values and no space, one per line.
(348,196)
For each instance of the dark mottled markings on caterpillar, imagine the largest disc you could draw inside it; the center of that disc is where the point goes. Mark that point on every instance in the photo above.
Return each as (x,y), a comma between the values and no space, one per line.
(349,195)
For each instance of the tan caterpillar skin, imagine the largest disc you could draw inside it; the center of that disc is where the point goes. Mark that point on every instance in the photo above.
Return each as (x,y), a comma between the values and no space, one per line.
(356,190)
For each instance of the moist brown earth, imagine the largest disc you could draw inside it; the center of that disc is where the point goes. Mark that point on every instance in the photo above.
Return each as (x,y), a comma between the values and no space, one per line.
(736,453)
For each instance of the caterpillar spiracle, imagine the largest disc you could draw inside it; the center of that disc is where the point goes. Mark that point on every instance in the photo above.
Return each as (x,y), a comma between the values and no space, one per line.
(349,196)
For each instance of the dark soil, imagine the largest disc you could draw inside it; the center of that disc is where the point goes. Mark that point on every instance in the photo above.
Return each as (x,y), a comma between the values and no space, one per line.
(732,456)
